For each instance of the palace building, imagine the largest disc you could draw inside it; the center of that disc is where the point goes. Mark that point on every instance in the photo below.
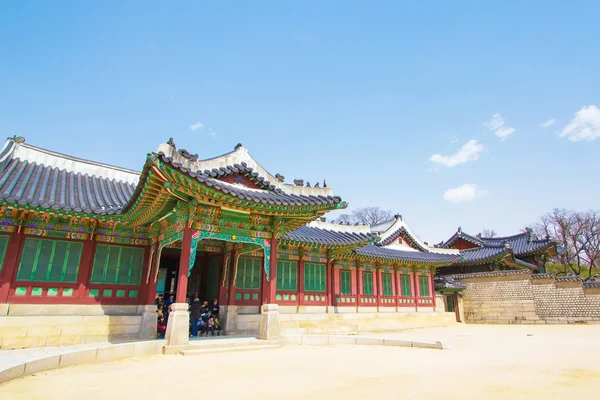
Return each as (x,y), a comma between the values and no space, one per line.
(85,247)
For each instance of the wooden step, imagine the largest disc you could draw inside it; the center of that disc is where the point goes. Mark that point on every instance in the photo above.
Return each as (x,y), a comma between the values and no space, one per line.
(201,351)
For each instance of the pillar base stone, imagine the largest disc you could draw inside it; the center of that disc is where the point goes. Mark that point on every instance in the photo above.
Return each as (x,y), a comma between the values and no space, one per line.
(270,328)
(148,325)
(178,325)
(231,320)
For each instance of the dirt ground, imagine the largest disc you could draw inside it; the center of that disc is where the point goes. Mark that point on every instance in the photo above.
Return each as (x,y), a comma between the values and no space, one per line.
(482,362)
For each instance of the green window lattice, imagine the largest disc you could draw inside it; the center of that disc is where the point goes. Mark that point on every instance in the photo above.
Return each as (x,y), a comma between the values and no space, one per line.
(314,277)
(405,281)
(118,265)
(3,246)
(368,283)
(424,286)
(386,280)
(287,275)
(46,260)
(345,282)
(248,273)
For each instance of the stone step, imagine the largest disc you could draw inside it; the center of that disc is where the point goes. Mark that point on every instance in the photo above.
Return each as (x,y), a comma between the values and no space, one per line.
(199,352)
(219,343)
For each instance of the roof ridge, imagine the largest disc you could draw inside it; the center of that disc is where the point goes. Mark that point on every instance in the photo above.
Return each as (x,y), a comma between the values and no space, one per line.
(73,158)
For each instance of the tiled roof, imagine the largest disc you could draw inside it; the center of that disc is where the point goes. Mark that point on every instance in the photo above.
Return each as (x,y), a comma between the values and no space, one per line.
(542,276)
(373,251)
(31,182)
(522,244)
(492,273)
(527,265)
(447,282)
(591,284)
(276,196)
(482,255)
(329,234)
(459,234)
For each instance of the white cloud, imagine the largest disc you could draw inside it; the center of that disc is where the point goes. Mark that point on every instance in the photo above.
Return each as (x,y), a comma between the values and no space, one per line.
(197,125)
(548,123)
(466,192)
(469,151)
(497,124)
(584,126)
(212,134)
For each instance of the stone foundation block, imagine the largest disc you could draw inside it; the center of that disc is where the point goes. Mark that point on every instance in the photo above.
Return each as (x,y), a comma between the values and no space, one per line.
(270,328)
(369,341)
(178,331)
(42,364)
(78,357)
(12,373)
(116,352)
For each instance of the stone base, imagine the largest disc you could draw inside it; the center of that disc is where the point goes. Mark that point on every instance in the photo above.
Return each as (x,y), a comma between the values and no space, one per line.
(270,328)
(231,316)
(148,324)
(178,325)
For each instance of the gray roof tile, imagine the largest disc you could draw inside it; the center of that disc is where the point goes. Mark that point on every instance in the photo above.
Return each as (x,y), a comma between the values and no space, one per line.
(271,196)
(309,234)
(43,186)
(373,251)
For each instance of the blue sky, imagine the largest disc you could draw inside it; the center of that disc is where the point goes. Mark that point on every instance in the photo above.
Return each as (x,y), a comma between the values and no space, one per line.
(363,94)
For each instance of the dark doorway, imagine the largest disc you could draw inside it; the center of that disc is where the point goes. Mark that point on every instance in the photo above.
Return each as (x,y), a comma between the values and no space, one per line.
(203,281)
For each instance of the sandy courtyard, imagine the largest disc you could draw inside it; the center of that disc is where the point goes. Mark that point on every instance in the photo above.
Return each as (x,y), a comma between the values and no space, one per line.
(483,362)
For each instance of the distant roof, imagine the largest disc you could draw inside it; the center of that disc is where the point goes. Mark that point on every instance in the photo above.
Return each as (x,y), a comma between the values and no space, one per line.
(324,233)
(522,244)
(373,251)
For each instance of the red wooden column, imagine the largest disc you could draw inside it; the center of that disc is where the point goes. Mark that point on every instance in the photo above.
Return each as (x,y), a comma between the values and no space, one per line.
(354,282)
(329,283)
(335,284)
(232,276)
(85,266)
(415,288)
(11,263)
(376,293)
(184,264)
(379,285)
(269,286)
(223,277)
(396,286)
(431,287)
(273,272)
(149,288)
(359,284)
(301,278)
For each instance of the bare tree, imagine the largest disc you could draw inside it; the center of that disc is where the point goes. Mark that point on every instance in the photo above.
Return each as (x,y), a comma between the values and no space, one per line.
(489,233)
(365,216)
(371,215)
(579,235)
(590,239)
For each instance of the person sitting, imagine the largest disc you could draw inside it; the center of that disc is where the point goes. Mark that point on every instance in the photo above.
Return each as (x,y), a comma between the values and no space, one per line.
(217,326)
(195,315)
(205,307)
(170,300)
(161,327)
(214,309)
(210,326)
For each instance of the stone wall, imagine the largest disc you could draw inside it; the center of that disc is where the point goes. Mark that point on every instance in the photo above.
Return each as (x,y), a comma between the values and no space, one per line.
(518,297)
(31,325)
(309,322)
